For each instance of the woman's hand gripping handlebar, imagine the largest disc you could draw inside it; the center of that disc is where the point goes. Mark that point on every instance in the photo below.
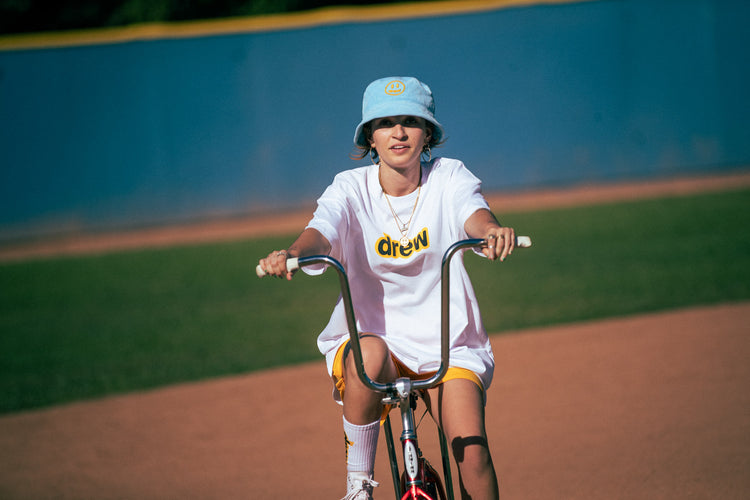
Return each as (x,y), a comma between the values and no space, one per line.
(292,265)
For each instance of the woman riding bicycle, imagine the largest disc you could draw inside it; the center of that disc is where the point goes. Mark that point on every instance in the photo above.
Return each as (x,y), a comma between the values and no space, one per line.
(389,223)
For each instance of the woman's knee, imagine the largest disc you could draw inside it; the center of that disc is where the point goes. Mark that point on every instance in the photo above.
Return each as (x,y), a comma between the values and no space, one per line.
(376,358)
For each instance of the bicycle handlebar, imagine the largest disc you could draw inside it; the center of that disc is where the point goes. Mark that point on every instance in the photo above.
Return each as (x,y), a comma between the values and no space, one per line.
(298,262)
(292,264)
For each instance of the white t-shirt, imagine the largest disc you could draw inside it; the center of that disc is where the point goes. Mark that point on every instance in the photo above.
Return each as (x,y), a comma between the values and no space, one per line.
(396,291)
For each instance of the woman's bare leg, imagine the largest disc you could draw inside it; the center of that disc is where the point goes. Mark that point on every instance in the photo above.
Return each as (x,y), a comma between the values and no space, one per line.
(460,411)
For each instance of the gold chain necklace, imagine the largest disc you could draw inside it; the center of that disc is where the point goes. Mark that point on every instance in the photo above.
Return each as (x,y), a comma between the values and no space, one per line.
(403,228)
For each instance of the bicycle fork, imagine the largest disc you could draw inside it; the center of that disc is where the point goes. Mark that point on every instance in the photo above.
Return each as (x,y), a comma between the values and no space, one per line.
(409,446)
(419,481)
(413,483)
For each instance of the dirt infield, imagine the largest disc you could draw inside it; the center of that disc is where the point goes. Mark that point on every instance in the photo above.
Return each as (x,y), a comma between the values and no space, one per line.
(650,407)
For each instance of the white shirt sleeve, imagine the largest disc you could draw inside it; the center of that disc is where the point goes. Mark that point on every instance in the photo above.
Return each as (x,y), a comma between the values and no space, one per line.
(465,196)
(331,219)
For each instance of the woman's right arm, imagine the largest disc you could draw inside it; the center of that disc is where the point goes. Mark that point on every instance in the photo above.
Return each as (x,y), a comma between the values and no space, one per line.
(310,242)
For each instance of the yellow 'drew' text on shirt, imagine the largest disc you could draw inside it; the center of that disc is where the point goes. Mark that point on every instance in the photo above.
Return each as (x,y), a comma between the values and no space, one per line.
(390,247)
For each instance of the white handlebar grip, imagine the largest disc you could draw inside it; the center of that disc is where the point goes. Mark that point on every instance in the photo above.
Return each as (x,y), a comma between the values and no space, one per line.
(523,241)
(291,265)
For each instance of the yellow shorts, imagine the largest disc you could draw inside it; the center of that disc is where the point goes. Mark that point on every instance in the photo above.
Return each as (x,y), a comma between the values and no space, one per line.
(454,372)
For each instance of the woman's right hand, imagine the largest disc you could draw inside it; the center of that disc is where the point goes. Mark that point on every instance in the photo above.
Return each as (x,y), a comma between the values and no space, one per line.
(310,242)
(275,264)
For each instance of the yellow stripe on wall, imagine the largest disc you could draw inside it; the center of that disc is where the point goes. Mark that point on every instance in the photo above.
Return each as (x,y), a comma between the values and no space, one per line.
(271,22)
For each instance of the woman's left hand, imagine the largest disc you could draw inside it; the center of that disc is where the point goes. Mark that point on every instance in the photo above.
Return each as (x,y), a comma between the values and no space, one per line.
(500,243)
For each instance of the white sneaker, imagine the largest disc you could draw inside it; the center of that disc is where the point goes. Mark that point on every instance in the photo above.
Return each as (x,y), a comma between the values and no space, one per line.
(359,486)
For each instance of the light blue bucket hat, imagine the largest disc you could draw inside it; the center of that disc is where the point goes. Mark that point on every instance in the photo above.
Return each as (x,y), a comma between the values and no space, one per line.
(397,96)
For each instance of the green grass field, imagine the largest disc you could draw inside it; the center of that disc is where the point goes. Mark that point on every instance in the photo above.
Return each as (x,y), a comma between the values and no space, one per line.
(81,327)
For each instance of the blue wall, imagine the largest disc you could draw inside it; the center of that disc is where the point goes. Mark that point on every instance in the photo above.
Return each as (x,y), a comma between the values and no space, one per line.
(157,131)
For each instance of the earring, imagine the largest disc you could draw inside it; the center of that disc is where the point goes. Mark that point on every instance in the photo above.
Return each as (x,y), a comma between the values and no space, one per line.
(373,155)
(426,149)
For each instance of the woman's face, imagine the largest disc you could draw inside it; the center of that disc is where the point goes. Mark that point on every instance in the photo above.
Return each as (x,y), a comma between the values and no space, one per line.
(399,139)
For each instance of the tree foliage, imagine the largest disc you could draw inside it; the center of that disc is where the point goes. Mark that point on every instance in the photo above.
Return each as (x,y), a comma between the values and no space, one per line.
(24,16)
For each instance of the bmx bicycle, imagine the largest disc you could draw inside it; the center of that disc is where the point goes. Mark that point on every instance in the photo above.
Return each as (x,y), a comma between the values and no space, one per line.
(419,480)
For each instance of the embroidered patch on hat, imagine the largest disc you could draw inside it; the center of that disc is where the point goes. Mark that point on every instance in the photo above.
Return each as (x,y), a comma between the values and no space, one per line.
(395,88)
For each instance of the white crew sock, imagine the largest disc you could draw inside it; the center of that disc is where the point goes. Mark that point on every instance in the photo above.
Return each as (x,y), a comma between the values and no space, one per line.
(361,445)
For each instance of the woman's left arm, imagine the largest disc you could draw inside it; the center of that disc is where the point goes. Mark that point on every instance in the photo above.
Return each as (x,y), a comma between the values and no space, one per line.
(500,240)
